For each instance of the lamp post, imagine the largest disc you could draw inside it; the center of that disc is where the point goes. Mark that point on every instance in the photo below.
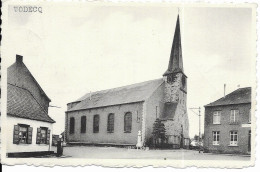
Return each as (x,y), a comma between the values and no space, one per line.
(199,121)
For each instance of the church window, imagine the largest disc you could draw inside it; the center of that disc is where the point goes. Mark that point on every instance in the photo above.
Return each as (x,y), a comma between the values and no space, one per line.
(110,123)
(72,125)
(170,78)
(83,122)
(96,124)
(183,81)
(128,122)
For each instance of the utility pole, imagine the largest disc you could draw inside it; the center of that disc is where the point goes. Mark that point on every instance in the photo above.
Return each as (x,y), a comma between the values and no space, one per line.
(199,123)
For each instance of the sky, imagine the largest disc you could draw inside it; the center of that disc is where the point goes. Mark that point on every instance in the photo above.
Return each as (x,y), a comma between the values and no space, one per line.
(74,49)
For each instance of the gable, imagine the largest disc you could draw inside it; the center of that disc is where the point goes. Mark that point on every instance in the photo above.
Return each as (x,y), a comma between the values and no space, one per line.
(19,75)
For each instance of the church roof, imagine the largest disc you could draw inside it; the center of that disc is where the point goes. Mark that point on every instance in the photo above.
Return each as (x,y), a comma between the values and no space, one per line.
(22,104)
(122,95)
(175,62)
(239,96)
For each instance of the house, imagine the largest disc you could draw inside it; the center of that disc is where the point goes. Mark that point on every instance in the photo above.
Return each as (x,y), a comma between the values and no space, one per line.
(115,116)
(227,126)
(29,125)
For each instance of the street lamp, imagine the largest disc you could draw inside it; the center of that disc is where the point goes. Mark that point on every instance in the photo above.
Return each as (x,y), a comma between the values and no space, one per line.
(192,109)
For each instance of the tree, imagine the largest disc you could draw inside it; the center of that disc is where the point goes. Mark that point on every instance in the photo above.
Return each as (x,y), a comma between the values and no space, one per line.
(158,133)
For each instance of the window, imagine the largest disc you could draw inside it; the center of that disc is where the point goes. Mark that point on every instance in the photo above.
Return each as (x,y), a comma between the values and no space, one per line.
(128,122)
(233,138)
(249,116)
(83,122)
(216,117)
(171,78)
(72,125)
(22,134)
(138,116)
(234,116)
(96,124)
(183,81)
(110,123)
(215,137)
(43,135)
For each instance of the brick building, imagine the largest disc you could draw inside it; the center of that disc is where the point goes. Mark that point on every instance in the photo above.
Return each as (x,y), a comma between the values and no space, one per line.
(115,116)
(227,127)
(29,125)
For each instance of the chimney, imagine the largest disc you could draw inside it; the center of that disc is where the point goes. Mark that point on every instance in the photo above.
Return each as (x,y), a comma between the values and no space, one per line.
(19,59)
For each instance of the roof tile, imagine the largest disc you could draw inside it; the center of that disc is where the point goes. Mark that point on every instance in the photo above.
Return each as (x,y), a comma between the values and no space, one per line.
(22,104)
(121,95)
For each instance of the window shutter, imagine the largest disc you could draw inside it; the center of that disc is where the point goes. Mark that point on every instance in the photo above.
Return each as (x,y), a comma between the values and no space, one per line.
(48,137)
(16,135)
(29,141)
(38,138)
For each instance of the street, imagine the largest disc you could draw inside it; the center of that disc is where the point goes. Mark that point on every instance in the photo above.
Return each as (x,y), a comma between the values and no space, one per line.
(90,152)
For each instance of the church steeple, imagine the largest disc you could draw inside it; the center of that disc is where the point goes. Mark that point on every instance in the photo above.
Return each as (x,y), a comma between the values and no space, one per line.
(175,62)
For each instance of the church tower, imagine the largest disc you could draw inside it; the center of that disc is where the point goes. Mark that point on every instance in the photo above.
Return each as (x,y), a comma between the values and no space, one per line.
(175,107)
(175,79)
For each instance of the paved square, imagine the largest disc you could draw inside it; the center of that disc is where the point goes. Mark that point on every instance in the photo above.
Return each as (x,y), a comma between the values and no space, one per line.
(90,152)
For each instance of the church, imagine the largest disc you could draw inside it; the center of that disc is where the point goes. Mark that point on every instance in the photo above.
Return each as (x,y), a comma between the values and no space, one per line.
(115,116)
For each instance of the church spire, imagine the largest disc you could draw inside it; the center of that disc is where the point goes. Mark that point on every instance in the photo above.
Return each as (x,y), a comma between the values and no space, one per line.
(175,62)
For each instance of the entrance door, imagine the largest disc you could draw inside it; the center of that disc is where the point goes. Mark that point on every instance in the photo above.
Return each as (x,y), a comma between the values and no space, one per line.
(249,141)
(181,141)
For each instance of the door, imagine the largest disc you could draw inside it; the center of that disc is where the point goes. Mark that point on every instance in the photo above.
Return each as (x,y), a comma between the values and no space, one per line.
(249,141)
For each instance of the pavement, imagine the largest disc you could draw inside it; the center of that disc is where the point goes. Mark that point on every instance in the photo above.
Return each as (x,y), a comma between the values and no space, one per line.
(91,152)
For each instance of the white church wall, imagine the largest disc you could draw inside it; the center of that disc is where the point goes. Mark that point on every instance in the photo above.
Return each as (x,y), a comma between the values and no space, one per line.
(103,137)
(154,109)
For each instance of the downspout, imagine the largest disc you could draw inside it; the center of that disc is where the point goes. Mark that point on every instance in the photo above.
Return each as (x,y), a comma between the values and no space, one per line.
(66,126)
(50,139)
(144,123)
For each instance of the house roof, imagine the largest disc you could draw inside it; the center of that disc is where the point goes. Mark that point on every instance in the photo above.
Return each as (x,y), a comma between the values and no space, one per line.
(239,96)
(19,64)
(121,95)
(22,104)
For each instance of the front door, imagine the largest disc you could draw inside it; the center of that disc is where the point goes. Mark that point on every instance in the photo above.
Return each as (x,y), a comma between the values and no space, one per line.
(181,141)
(249,141)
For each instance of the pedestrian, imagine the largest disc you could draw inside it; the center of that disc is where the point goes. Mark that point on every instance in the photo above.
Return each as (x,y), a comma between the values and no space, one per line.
(59,147)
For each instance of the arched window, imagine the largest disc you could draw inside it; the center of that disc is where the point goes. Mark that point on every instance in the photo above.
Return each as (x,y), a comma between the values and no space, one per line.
(110,123)
(128,122)
(72,125)
(96,124)
(83,124)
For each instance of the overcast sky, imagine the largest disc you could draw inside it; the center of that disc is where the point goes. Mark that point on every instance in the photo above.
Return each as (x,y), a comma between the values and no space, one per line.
(72,50)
